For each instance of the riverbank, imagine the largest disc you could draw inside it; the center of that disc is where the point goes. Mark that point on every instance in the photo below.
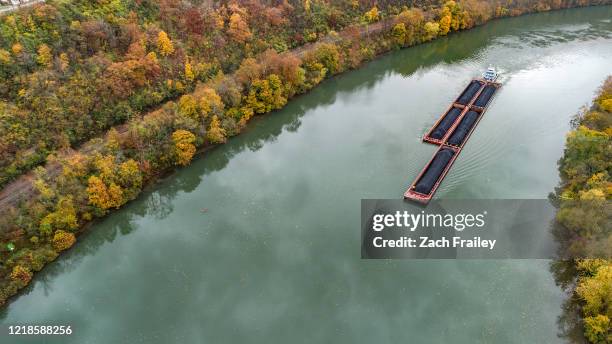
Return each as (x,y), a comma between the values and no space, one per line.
(584,217)
(91,185)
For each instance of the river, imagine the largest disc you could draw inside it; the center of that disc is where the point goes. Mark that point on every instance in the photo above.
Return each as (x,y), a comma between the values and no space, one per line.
(276,257)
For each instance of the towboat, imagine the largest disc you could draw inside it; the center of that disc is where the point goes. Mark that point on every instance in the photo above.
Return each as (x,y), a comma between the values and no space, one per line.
(490,75)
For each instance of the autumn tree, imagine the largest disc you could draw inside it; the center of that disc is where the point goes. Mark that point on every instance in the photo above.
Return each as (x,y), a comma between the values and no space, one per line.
(238,29)
(189,74)
(63,240)
(399,33)
(455,13)
(444,25)
(17,49)
(597,329)
(277,99)
(183,146)
(372,15)
(431,31)
(287,67)
(215,133)
(188,107)
(413,20)
(248,71)
(5,57)
(327,55)
(21,274)
(115,193)
(210,102)
(44,57)
(130,178)
(64,217)
(98,193)
(164,44)
(266,95)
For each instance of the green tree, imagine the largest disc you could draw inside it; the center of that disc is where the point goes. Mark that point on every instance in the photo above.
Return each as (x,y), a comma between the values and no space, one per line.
(64,217)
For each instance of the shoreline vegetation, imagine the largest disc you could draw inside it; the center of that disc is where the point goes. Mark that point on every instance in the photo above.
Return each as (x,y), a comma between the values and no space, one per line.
(583,222)
(73,70)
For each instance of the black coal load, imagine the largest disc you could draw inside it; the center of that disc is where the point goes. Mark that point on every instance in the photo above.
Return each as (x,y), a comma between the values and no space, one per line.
(485,95)
(434,170)
(445,123)
(469,92)
(463,128)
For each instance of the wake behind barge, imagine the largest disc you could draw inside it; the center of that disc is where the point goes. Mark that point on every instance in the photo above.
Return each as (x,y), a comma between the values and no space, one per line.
(451,132)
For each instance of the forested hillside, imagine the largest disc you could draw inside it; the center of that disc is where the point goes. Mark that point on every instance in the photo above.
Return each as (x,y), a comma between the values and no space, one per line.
(111,93)
(73,69)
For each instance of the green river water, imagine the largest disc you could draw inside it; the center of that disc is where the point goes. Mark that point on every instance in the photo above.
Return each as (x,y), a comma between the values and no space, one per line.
(276,258)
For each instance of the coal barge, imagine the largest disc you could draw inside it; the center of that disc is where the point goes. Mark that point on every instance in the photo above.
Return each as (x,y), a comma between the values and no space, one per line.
(451,132)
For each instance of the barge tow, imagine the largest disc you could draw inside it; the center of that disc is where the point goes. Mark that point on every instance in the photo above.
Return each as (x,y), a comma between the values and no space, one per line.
(451,132)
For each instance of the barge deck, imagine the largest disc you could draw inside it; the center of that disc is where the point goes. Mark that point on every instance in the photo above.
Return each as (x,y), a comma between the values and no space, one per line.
(451,131)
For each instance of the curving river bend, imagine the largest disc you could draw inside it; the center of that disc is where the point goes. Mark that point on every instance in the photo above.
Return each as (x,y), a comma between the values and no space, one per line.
(275,259)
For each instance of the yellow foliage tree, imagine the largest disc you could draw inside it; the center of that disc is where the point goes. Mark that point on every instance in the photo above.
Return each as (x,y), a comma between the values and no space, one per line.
(5,57)
(164,44)
(63,240)
(21,274)
(216,134)
(596,291)
(64,61)
(43,188)
(152,56)
(189,74)
(399,33)
(17,48)
(210,102)
(431,30)
(106,165)
(188,107)
(184,147)
(372,15)
(445,24)
(597,329)
(238,29)
(130,176)
(44,56)
(115,194)
(98,193)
